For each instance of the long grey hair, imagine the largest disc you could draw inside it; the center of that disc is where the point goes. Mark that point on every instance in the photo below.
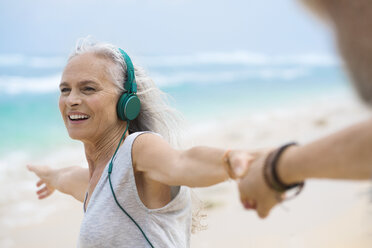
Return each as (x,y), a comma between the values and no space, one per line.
(156,114)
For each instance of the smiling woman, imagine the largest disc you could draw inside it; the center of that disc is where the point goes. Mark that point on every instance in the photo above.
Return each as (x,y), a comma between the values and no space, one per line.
(134,191)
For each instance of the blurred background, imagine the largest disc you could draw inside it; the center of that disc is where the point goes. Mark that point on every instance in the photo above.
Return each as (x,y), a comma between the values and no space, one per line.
(245,74)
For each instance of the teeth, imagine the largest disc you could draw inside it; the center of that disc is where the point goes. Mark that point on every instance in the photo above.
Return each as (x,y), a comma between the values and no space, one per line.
(78,117)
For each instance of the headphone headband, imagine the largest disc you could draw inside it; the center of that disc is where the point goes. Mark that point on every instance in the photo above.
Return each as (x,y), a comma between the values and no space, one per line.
(129,84)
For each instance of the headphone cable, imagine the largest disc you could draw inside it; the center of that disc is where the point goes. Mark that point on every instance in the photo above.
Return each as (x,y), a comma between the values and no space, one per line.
(113,193)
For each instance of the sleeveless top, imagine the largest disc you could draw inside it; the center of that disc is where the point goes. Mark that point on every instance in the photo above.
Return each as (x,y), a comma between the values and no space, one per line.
(105,225)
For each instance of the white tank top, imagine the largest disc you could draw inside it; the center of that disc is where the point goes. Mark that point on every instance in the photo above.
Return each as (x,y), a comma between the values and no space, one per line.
(105,225)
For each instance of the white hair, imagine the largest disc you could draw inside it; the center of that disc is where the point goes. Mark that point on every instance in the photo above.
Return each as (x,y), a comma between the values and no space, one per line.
(156,114)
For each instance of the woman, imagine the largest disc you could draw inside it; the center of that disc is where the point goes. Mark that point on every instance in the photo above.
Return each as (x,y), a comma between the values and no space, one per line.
(131,193)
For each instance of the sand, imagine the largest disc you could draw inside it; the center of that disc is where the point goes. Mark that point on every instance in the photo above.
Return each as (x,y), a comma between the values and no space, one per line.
(326,214)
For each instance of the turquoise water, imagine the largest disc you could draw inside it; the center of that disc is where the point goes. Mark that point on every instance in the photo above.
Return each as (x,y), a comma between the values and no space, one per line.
(252,95)
(30,119)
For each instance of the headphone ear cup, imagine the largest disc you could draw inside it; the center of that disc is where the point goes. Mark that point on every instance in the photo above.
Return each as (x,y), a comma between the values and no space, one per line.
(121,105)
(132,107)
(128,107)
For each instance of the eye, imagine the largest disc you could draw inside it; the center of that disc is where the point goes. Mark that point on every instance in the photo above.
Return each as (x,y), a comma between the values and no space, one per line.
(64,90)
(88,88)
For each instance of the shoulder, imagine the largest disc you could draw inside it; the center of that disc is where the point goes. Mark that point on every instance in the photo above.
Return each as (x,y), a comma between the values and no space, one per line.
(147,144)
(150,150)
(143,140)
(139,140)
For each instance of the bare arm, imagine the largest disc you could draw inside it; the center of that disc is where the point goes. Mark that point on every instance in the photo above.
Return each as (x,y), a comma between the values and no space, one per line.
(195,167)
(72,180)
(346,154)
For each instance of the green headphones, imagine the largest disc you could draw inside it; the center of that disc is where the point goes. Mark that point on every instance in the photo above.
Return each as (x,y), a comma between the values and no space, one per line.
(129,105)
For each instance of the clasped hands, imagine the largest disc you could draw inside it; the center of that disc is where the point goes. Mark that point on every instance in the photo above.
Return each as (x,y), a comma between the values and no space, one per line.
(247,168)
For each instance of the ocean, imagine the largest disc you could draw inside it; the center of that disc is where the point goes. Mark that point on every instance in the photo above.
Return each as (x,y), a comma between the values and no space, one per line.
(203,87)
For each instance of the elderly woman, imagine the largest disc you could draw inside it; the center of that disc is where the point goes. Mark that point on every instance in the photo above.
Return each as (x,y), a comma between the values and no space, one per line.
(132,191)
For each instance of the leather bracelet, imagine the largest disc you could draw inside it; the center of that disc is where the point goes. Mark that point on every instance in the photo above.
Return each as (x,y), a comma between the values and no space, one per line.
(271,175)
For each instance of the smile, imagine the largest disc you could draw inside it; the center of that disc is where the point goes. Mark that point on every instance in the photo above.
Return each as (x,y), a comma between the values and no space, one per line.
(78,117)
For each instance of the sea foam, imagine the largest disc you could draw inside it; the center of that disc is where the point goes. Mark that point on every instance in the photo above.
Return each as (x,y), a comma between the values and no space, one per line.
(16,85)
(179,69)
(240,58)
(9,60)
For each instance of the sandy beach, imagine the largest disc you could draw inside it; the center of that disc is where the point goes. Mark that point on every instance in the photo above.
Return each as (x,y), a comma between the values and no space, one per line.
(326,214)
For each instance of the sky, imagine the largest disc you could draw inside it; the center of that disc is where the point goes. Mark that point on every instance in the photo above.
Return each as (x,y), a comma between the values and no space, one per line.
(162,27)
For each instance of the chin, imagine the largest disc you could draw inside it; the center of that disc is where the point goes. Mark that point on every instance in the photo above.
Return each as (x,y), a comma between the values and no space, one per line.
(76,135)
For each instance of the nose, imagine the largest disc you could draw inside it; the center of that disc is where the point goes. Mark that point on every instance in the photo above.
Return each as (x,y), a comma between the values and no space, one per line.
(73,99)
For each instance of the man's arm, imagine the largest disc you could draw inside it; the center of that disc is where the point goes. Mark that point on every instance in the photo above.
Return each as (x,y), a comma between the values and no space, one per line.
(346,154)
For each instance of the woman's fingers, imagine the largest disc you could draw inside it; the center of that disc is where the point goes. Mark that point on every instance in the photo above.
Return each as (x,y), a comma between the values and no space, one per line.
(43,172)
(42,190)
(34,169)
(39,170)
(39,183)
(42,196)
(239,162)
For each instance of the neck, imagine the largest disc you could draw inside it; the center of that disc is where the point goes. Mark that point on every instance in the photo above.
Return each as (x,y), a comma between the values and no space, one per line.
(99,152)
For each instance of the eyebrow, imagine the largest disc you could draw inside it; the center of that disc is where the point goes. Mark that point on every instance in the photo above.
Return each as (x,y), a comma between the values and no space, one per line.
(80,83)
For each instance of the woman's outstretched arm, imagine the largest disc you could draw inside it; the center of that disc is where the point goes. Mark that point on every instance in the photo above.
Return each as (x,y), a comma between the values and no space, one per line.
(195,167)
(72,180)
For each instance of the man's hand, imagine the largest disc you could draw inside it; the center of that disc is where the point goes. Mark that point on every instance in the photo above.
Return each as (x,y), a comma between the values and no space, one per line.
(254,191)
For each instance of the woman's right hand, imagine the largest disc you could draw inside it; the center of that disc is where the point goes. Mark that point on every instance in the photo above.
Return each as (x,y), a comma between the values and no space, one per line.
(47,180)
(254,192)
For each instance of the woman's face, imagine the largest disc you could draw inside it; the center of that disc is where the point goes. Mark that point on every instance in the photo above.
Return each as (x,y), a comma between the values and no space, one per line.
(88,98)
